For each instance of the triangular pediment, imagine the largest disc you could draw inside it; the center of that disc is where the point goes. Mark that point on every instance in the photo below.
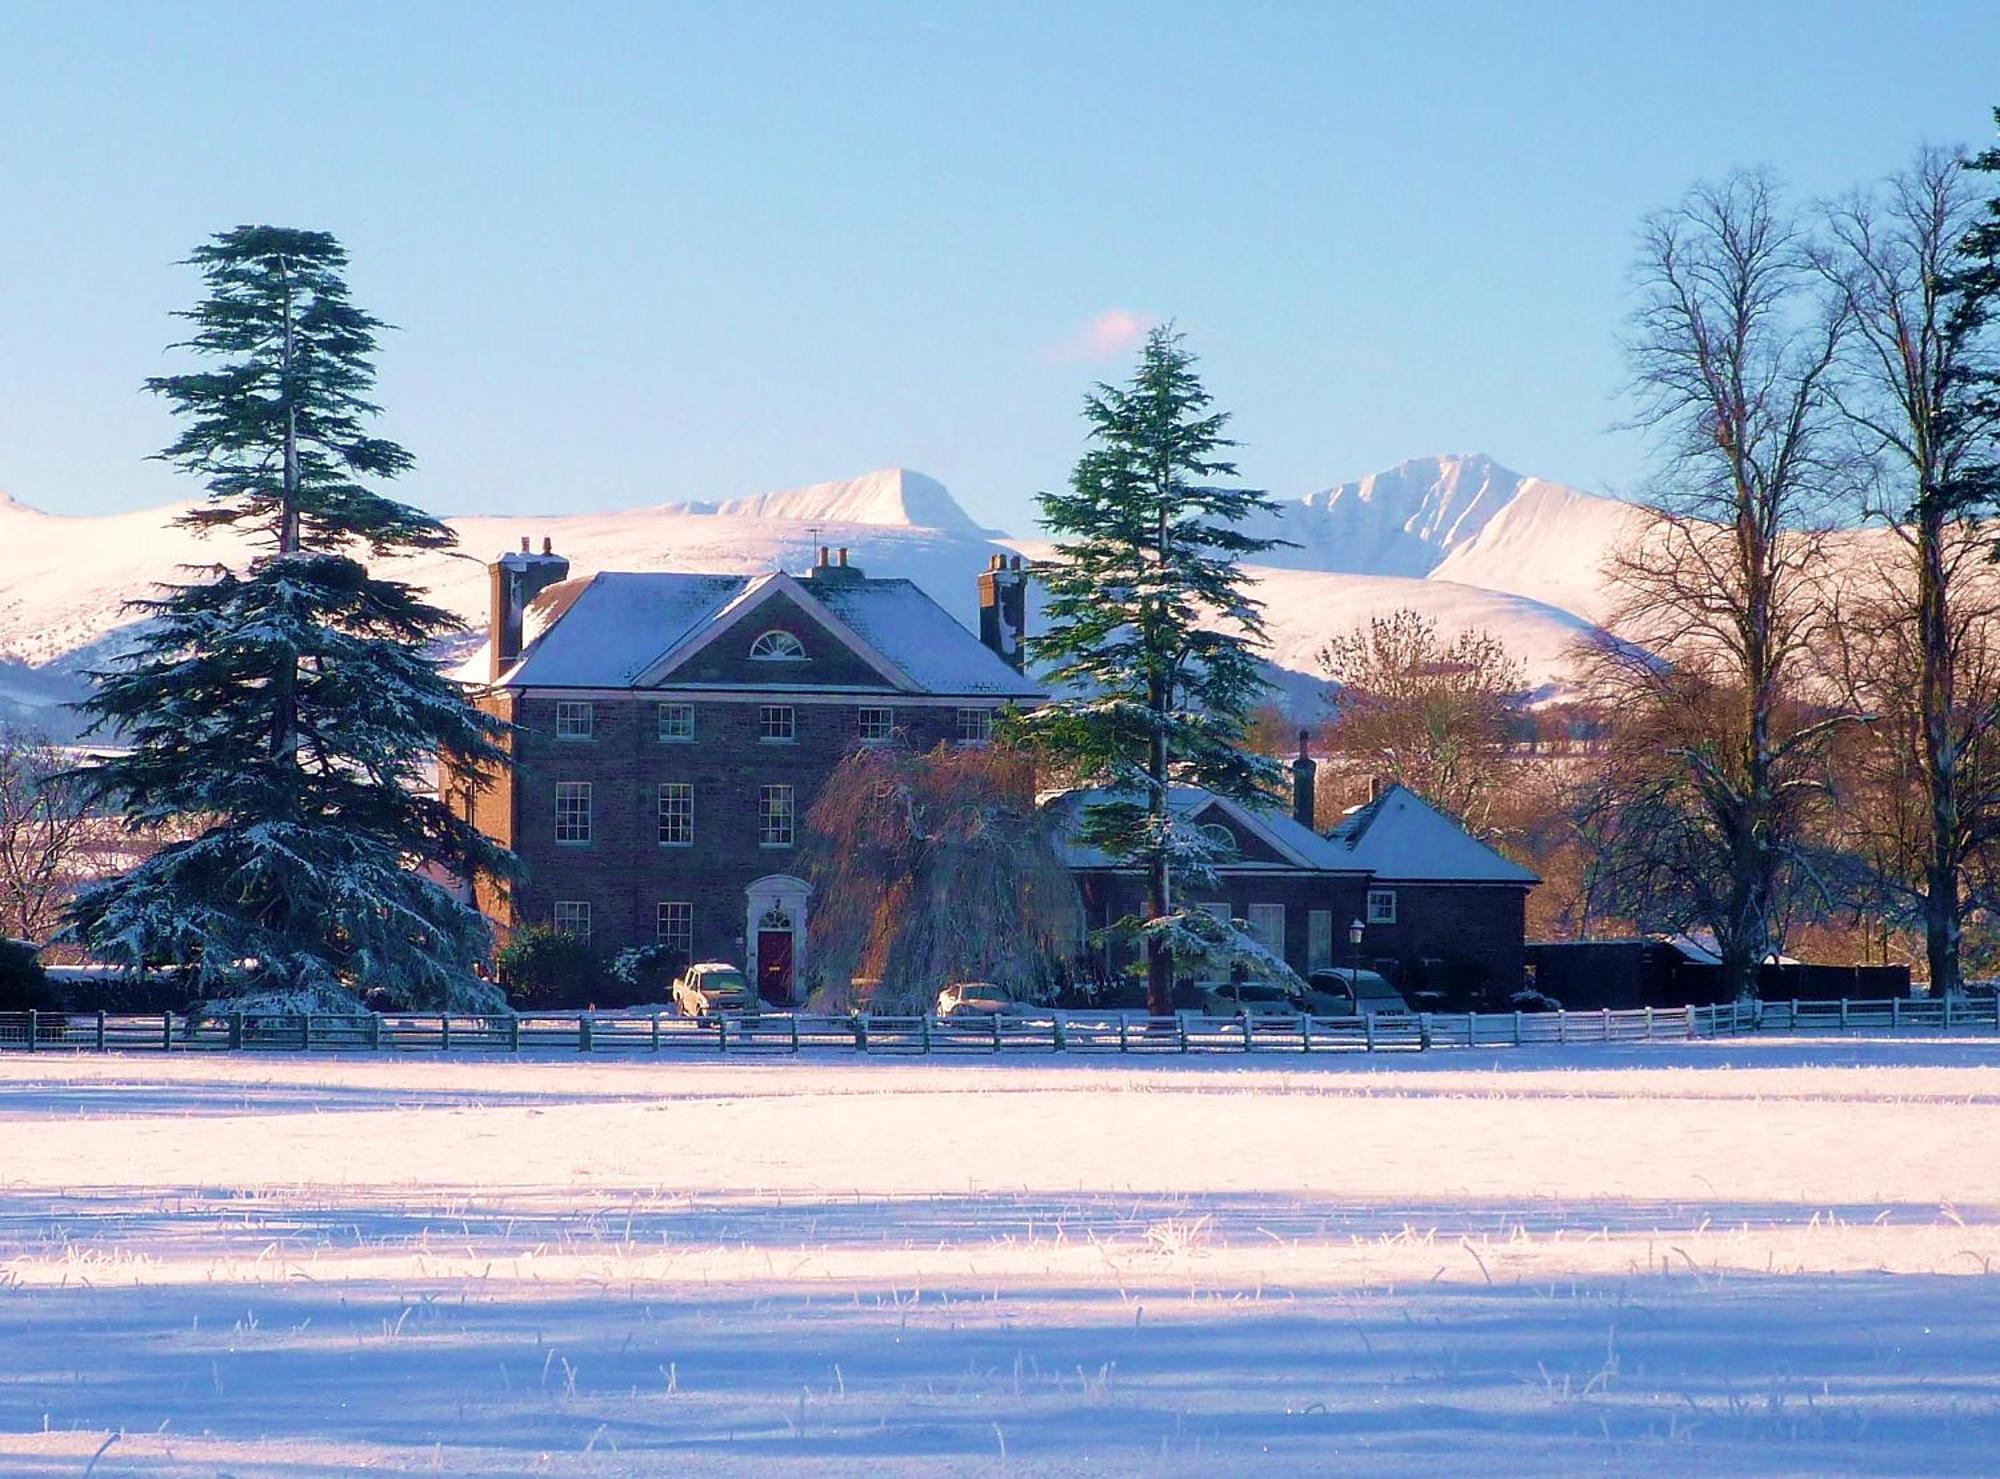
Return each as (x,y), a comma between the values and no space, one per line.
(725,651)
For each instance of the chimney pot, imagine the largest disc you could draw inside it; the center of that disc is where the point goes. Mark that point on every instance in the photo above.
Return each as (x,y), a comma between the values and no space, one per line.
(823,552)
(1017,563)
(843,557)
(524,544)
(548,545)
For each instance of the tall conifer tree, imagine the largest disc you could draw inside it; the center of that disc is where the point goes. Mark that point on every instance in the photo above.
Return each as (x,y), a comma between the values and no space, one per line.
(285,713)
(1153,632)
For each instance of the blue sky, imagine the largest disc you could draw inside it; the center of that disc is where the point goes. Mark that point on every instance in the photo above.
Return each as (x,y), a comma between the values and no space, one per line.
(651,252)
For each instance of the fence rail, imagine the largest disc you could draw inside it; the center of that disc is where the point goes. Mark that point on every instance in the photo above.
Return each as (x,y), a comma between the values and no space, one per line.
(789,1033)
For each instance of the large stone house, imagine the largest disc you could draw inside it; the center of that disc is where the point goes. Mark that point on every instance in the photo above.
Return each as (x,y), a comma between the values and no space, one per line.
(667,734)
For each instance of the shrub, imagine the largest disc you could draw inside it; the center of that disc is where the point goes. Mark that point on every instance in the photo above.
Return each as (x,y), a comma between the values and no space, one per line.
(24,985)
(542,967)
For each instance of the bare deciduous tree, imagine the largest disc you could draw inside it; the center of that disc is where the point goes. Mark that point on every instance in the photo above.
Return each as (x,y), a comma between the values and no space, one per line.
(1425,710)
(1732,353)
(1912,369)
(46,835)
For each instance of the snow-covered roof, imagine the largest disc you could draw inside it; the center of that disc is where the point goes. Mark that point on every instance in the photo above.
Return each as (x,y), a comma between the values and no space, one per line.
(919,636)
(1301,846)
(614,628)
(1401,838)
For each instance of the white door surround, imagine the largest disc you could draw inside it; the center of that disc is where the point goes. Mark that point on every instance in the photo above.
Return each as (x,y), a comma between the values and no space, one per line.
(786,895)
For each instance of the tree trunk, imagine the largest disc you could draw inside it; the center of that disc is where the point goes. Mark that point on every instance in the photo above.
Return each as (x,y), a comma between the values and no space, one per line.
(1937,699)
(285,691)
(1159,884)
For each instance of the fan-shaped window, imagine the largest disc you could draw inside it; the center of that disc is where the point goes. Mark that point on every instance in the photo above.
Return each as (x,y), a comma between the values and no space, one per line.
(778,646)
(1222,843)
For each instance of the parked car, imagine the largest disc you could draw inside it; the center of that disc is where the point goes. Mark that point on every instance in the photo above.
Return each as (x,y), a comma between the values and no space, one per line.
(977,999)
(714,987)
(1250,999)
(1352,993)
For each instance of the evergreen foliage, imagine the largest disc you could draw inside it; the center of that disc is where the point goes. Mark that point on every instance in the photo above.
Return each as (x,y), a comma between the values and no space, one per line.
(285,714)
(1974,294)
(1152,631)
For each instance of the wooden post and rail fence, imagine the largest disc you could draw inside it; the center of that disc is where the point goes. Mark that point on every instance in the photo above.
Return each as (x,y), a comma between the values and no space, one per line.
(1071,1033)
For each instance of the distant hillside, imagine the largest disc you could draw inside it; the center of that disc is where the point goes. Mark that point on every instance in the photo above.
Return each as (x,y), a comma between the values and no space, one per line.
(1461,538)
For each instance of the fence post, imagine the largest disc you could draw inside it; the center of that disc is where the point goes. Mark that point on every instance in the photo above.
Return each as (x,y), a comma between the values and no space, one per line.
(375,1032)
(100,1030)
(1245,1019)
(1180,1028)
(1121,1032)
(444,1032)
(582,1034)
(924,1033)
(1305,1032)
(1690,1022)
(166,1032)
(514,1033)
(1472,1029)
(1947,1011)
(1423,1032)
(1368,1029)
(722,1034)
(1843,1014)
(1895,1015)
(34,1027)
(1562,1025)
(1517,1029)
(656,1032)
(1056,1043)
(1607,1024)
(1649,1024)
(861,1032)
(235,1031)
(794,1019)
(996,1034)
(305,1031)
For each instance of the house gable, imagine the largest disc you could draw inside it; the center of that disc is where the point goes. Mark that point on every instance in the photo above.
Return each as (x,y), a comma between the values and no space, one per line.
(719,655)
(1252,846)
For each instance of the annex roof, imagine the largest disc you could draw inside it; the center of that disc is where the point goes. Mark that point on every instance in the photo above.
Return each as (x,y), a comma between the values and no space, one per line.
(1300,846)
(1401,838)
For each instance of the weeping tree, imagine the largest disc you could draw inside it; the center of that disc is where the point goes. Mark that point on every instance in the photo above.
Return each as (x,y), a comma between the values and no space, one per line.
(282,712)
(933,868)
(1152,636)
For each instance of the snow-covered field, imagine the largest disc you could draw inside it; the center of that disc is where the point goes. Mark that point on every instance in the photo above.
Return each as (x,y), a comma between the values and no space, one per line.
(1743,1256)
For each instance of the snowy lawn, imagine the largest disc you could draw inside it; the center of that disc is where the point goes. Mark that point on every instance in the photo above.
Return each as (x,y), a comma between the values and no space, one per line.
(1740,1256)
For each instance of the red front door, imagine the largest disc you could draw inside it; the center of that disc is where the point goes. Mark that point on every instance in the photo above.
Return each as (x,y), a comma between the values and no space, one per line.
(774,965)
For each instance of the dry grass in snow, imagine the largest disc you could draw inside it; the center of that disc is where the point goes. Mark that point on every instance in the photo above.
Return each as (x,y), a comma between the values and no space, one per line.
(1745,1256)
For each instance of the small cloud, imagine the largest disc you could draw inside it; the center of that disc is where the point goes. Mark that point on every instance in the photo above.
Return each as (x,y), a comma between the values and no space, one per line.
(1114,332)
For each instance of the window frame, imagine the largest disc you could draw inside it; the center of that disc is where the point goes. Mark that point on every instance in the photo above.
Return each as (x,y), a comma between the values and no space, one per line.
(681,815)
(886,713)
(769,815)
(660,723)
(680,936)
(582,936)
(1319,923)
(1251,924)
(768,720)
(574,801)
(568,709)
(777,637)
(1371,915)
(980,720)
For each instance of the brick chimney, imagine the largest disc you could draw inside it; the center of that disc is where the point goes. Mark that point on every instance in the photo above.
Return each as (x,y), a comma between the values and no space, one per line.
(1003,609)
(834,571)
(517,578)
(1305,777)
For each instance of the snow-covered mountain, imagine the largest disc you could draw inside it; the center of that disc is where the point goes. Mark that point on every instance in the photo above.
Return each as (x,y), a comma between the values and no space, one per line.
(1460,538)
